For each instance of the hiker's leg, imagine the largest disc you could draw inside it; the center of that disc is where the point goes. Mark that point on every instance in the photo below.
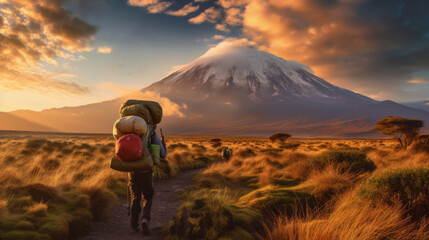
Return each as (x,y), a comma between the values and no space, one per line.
(148,193)
(136,194)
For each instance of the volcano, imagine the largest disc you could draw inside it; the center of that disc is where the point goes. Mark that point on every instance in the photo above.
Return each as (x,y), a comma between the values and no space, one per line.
(240,90)
(233,90)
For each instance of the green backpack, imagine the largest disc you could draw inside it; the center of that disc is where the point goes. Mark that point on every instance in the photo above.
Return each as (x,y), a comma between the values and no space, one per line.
(151,112)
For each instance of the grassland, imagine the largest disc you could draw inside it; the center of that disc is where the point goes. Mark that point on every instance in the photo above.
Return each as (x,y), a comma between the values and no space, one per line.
(54,186)
(308,189)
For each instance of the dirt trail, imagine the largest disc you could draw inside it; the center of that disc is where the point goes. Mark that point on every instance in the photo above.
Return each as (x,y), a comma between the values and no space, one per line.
(117,225)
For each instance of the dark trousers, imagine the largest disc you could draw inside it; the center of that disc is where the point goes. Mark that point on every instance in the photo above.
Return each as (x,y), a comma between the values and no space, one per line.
(140,184)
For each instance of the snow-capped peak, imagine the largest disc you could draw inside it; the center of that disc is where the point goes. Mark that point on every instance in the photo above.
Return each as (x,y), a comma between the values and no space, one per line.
(258,74)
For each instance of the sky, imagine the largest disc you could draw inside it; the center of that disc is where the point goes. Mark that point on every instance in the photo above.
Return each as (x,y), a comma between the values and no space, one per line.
(56,53)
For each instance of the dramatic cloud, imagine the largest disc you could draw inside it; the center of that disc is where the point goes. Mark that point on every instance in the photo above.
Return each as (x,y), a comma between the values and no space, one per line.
(104,49)
(37,31)
(187,9)
(210,15)
(368,46)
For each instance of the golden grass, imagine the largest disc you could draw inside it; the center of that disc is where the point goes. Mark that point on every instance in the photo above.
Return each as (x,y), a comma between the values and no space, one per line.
(350,220)
(260,177)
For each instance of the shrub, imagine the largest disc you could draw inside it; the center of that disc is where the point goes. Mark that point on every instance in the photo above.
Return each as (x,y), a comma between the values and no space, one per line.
(210,217)
(409,186)
(100,201)
(173,147)
(51,164)
(57,228)
(218,144)
(348,160)
(215,140)
(422,144)
(279,137)
(40,192)
(277,199)
(246,153)
(199,147)
(36,143)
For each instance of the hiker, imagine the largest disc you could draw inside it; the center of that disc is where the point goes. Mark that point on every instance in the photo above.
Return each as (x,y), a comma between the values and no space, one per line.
(226,154)
(138,150)
(141,184)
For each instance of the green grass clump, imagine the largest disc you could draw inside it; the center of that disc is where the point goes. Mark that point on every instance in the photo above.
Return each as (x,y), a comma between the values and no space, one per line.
(348,160)
(56,229)
(210,217)
(24,225)
(408,186)
(272,199)
(100,201)
(119,187)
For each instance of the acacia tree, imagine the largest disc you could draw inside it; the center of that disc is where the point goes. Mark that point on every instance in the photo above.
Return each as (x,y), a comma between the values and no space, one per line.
(404,130)
(279,137)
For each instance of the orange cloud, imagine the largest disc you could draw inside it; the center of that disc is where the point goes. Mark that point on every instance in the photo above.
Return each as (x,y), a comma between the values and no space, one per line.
(222,27)
(32,31)
(104,49)
(152,6)
(187,9)
(210,15)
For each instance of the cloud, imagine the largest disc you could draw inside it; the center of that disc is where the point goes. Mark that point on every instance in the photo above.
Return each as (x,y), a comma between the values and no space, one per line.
(210,15)
(350,43)
(187,9)
(118,90)
(169,108)
(417,80)
(356,44)
(222,27)
(152,6)
(217,37)
(104,49)
(37,31)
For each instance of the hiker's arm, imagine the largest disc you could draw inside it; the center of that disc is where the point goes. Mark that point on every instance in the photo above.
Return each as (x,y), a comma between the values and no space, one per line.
(163,150)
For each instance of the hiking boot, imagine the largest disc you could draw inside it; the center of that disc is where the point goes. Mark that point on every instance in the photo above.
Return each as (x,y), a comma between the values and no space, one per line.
(145,226)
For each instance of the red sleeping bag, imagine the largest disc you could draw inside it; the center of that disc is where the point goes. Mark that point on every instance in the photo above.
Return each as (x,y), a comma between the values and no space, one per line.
(129,147)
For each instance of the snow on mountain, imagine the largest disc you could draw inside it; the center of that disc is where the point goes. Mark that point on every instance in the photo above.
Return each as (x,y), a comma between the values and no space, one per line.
(259,74)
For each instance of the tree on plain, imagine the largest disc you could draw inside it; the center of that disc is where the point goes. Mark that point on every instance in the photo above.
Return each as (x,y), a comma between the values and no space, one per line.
(404,130)
(279,137)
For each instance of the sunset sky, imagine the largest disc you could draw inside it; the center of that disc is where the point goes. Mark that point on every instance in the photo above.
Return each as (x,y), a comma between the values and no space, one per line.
(56,53)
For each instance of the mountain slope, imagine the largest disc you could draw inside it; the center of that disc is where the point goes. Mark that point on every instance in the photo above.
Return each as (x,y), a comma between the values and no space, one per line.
(422,105)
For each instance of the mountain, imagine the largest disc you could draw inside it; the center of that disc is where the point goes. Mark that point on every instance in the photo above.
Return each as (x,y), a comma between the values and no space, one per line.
(9,121)
(233,90)
(422,105)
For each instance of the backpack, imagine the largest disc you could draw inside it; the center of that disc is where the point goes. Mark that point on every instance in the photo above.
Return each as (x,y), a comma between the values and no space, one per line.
(151,112)
(129,147)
